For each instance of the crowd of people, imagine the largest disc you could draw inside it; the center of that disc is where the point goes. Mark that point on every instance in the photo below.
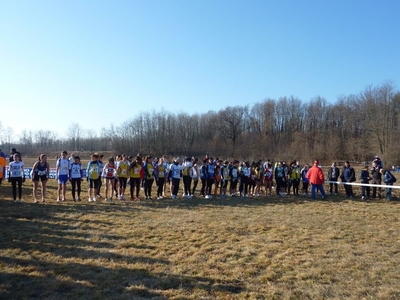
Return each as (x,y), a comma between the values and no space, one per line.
(205,177)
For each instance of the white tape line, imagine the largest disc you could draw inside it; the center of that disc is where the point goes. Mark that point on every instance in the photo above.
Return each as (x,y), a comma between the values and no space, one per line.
(365,184)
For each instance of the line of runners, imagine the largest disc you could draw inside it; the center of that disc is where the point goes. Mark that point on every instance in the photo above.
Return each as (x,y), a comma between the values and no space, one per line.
(218,178)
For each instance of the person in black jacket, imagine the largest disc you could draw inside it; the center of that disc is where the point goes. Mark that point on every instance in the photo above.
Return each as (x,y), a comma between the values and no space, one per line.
(348,175)
(365,178)
(12,152)
(376,178)
(333,175)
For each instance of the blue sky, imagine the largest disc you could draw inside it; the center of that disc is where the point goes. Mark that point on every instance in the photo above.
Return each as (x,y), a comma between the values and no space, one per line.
(99,63)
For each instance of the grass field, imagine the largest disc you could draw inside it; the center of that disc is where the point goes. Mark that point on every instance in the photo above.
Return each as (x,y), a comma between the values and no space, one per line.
(253,248)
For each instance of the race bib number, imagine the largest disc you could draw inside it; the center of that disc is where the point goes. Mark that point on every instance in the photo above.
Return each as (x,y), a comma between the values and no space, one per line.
(17,172)
(110,172)
(41,173)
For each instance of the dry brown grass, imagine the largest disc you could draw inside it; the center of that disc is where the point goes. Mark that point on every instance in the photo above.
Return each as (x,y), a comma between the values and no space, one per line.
(265,248)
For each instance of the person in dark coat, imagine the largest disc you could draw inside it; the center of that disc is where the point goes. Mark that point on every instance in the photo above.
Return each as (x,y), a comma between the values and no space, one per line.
(12,152)
(333,175)
(376,178)
(388,179)
(348,175)
(365,178)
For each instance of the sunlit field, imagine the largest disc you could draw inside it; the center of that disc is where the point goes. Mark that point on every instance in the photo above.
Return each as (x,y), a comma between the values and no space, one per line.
(235,248)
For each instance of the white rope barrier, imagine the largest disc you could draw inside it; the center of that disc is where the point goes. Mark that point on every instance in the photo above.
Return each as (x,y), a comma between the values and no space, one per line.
(365,184)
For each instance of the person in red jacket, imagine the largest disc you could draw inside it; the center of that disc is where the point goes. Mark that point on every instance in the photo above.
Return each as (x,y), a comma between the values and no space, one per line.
(316,178)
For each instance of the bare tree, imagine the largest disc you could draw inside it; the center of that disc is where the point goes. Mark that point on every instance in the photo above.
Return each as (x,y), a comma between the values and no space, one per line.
(74,133)
(231,123)
(45,140)
(26,141)
(8,136)
(382,109)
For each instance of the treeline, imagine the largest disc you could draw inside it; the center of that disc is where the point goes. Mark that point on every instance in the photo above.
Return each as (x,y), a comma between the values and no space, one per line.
(355,127)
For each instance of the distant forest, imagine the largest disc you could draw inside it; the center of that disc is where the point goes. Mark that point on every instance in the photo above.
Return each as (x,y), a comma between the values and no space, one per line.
(355,127)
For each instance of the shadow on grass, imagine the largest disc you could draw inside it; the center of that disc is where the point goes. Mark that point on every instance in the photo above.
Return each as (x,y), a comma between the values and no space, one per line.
(184,203)
(55,281)
(44,256)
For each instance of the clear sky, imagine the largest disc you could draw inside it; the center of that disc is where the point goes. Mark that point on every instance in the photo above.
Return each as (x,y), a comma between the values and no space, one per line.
(99,63)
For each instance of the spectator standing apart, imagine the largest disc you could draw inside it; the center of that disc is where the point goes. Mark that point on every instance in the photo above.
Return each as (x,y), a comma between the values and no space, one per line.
(333,175)
(93,172)
(305,180)
(376,179)
(176,174)
(348,175)
(109,171)
(16,177)
(40,172)
(122,173)
(316,178)
(365,178)
(388,179)
(148,176)
(3,164)
(62,172)
(76,177)
(12,152)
